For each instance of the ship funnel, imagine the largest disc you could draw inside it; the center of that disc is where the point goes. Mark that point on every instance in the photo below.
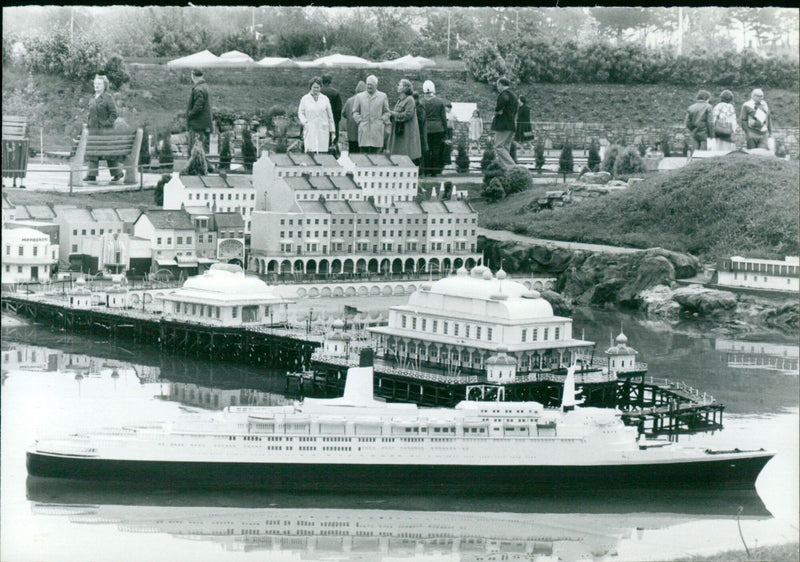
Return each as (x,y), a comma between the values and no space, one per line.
(568,398)
(358,386)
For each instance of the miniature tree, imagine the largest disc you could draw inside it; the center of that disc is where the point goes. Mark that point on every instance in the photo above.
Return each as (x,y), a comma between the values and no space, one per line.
(594,156)
(642,147)
(447,192)
(565,163)
(494,191)
(495,170)
(165,158)
(611,156)
(666,147)
(488,158)
(197,165)
(225,151)
(628,162)
(462,159)
(517,179)
(539,155)
(248,150)
(158,192)
(144,153)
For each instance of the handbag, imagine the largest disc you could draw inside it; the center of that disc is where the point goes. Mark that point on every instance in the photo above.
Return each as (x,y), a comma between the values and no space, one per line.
(399,127)
(722,128)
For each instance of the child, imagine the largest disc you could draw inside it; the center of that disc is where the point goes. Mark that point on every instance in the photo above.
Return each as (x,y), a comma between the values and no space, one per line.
(475,129)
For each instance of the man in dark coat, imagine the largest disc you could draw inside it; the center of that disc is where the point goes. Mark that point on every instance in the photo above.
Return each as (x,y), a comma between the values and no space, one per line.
(504,124)
(435,128)
(198,115)
(698,121)
(335,98)
(523,120)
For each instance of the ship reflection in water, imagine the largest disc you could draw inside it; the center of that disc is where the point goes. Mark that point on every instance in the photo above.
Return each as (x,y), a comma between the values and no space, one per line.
(358,527)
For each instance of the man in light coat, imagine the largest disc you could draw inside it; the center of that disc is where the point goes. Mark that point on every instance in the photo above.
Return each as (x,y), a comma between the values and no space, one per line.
(371,112)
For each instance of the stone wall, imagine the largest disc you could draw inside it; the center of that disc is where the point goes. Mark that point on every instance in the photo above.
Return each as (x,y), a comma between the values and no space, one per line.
(145,75)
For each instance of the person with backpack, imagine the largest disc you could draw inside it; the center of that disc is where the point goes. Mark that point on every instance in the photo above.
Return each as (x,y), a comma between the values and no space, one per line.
(756,121)
(699,121)
(724,116)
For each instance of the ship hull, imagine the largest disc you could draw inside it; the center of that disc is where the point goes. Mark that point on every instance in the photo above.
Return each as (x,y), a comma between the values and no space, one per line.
(727,473)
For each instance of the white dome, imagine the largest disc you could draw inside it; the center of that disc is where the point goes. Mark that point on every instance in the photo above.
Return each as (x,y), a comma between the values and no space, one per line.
(219,280)
(453,295)
(17,235)
(622,338)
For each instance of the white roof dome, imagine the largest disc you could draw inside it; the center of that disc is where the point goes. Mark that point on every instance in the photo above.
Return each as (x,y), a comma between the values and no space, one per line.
(228,281)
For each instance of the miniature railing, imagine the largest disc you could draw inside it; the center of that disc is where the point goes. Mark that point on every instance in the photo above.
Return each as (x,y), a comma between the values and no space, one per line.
(690,392)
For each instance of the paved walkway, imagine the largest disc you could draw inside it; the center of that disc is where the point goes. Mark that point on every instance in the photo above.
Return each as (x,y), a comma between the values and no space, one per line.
(55,177)
(507,236)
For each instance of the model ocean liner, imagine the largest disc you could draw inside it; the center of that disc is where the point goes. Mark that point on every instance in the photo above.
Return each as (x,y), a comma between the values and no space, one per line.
(356,442)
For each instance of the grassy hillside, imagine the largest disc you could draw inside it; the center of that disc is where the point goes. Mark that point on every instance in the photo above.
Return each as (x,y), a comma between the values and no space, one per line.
(737,204)
(61,102)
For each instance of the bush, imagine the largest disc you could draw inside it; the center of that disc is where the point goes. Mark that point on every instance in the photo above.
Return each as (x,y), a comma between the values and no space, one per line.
(594,156)
(628,162)
(485,63)
(611,156)
(144,153)
(539,154)
(225,151)
(54,53)
(197,165)
(165,158)
(494,191)
(462,159)
(447,192)
(566,164)
(248,150)
(158,192)
(116,72)
(666,146)
(488,158)
(517,179)
(495,170)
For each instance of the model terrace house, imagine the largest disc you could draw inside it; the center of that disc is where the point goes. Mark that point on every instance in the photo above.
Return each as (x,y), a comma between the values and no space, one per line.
(172,238)
(385,178)
(228,194)
(272,168)
(749,273)
(81,226)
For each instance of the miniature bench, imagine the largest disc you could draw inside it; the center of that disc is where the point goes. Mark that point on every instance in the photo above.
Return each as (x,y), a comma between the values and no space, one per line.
(15,147)
(100,145)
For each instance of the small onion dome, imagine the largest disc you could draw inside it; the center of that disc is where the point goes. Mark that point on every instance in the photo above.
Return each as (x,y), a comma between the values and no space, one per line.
(621,338)
(478,271)
(501,274)
(487,274)
(114,374)
(462,271)
(337,324)
(532,294)
(79,377)
(80,281)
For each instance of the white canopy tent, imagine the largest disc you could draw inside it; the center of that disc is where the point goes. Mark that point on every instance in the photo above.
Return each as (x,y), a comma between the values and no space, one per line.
(201,59)
(407,62)
(277,62)
(343,60)
(235,58)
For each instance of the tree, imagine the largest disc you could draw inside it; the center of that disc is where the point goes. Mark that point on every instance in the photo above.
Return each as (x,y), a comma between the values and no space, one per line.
(494,191)
(248,150)
(517,179)
(447,192)
(197,164)
(611,156)
(494,170)
(462,159)
(165,158)
(614,22)
(628,162)
(158,192)
(565,162)
(539,154)
(666,145)
(488,158)
(594,155)
(144,152)
(225,151)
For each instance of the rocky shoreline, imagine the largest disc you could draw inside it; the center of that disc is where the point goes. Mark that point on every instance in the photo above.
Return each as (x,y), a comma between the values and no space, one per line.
(646,282)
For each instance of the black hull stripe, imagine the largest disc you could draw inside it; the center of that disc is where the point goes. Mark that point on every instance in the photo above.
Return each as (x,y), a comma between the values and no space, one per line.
(740,473)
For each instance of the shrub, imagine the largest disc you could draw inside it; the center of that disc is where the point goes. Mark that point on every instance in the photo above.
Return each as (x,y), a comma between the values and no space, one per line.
(539,154)
(611,156)
(666,147)
(594,155)
(447,191)
(488,158)
(158,192)
(494,191)
(165,158)
(79,58)
(462,159)
(116,72)
(628,162)
(495,170)
(485,63)
(225,151)
(197,165)
(517,179)
(566,164)
(248,150)
(144,154)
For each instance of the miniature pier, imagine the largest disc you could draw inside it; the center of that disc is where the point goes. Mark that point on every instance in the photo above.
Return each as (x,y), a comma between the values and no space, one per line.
(653,406)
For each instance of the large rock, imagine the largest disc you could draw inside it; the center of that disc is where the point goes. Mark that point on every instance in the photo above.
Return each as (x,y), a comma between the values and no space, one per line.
(657,301)
(561,306)
(703,301)
(685,265)
(653,270)
(598,178)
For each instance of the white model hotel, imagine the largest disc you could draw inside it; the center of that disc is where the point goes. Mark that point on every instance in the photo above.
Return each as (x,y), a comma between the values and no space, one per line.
(358,215)
(472,322)
(749,273)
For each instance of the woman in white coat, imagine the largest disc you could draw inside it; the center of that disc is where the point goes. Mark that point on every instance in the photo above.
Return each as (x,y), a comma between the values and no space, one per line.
(316,117)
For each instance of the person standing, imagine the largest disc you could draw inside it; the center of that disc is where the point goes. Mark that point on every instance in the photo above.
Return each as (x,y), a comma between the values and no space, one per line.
(405,128)
(756,120)
(435,128)
(523,121)
(102,114)
(724,118)
(504,123)
(371,112)
(335,98)
(316,117)
(198,115)
(475,129)
(698,121)
(348,122)
(423,137)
